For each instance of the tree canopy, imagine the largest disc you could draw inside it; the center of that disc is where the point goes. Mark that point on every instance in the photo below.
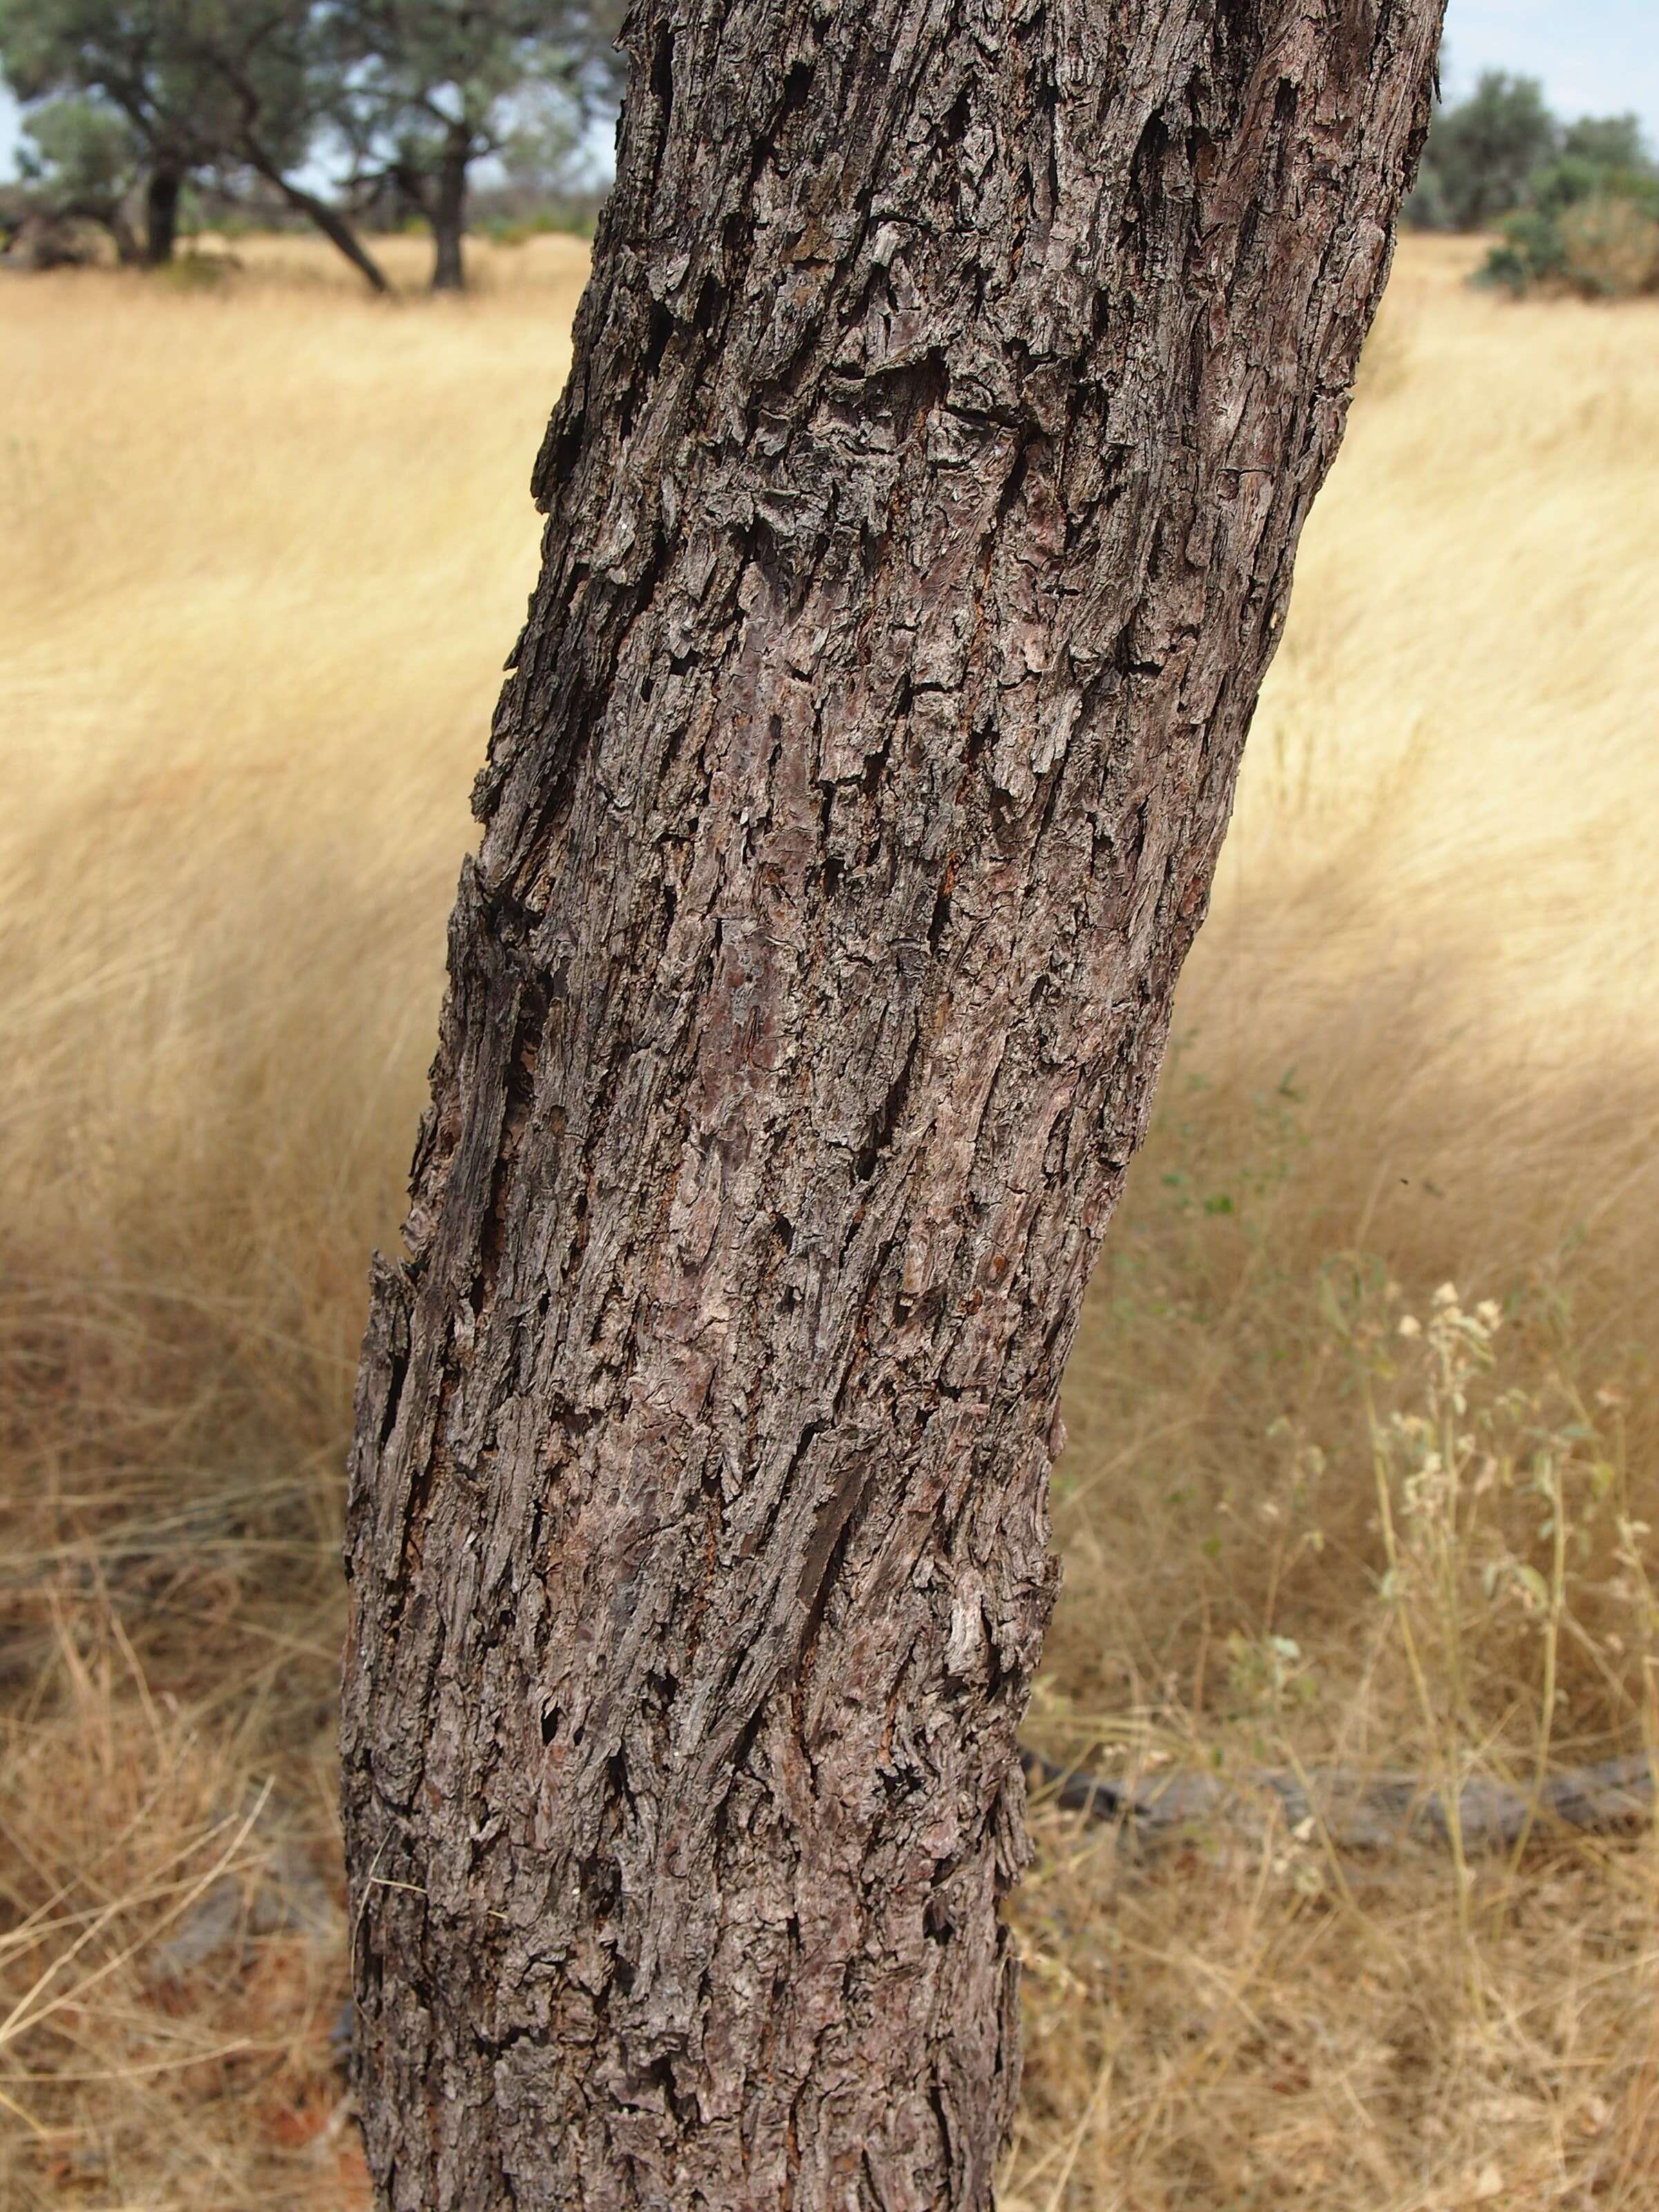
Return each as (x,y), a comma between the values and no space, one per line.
(1577,204)
(1481,152)
(87,161)
(204,85)
(226,90)
(409,94)
(426,88)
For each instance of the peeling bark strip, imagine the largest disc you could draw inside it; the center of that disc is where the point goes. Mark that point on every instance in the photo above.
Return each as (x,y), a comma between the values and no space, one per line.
(951,391)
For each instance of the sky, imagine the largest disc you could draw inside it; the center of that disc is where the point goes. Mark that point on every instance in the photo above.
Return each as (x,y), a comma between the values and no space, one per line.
(1594,56)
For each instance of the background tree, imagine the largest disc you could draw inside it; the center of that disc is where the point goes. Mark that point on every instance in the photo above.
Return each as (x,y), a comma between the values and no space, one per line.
(226,89)
(82,160)
(1577,205)
(1481,152)
(946,404)
(1588,221)
(431,87)
(114,58)
(1606,141)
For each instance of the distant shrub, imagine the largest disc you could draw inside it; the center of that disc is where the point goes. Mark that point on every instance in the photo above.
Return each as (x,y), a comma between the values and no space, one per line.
(1588,219)
(1579,177)
(1602,243)
(1611,247)
(1577,205)
(1531,254)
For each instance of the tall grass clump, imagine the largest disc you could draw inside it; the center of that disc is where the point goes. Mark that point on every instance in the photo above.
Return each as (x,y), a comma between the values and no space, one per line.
(1364,1456)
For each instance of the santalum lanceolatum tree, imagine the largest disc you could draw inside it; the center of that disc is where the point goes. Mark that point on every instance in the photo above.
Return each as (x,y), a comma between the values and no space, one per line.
(428,89)
(951,391)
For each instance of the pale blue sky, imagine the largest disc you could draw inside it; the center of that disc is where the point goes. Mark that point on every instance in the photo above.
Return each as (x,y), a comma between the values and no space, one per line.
(1595,56)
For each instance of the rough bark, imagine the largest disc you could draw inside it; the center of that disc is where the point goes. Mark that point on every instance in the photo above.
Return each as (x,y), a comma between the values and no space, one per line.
(161,191)
(948,398)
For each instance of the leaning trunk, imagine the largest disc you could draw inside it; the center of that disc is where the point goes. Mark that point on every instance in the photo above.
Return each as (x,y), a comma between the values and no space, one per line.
(161,193)
(947,405)
(335,228)
(328,219)
(449,221)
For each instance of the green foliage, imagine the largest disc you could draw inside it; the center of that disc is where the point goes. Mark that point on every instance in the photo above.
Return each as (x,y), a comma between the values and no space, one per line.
(407,95)
(429,88)
(82,159)
(1578,205)
(1589,226)
(1481,152)
(201,85)
(81,150)
(414,72)
(1606,142)
(224,92)
(1531,254)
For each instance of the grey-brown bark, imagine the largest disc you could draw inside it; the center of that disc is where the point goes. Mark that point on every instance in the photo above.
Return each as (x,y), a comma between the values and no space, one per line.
(949,395)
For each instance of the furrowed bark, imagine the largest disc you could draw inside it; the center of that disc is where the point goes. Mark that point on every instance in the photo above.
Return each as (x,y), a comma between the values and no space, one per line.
(948,398)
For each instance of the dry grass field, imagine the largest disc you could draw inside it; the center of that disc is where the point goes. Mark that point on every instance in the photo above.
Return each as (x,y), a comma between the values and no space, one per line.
(1364,1438)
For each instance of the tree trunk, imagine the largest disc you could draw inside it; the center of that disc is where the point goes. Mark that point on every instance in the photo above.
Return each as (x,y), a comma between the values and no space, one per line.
(161,191)
(948,399)
(449,216)
(129,251)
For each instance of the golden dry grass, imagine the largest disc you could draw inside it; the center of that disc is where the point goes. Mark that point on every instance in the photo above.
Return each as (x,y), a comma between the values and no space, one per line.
(263,545)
